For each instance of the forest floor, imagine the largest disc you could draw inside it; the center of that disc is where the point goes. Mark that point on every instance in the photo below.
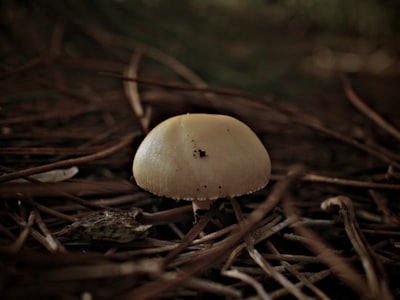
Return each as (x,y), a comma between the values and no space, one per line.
(327,225)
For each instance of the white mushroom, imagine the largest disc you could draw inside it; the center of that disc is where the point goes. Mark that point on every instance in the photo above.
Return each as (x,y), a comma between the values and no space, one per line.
(201,157)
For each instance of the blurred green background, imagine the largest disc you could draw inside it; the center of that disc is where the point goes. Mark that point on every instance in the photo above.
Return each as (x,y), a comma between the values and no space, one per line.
(287,48)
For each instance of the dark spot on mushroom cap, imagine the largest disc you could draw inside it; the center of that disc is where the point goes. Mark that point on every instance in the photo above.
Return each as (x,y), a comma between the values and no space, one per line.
(202,153)
(199,153)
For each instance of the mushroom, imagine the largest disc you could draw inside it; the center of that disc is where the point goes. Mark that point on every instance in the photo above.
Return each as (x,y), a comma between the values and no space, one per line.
(201,157)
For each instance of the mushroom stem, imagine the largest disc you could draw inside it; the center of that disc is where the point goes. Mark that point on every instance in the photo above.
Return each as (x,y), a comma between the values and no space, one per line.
(201,205)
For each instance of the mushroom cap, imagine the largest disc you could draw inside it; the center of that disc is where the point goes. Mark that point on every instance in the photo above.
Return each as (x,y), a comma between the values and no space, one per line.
(201,157)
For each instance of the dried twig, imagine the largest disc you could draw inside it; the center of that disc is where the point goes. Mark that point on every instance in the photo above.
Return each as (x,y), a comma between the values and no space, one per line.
(193,233)
(105,37)
(315,277)
(50,211)
(49,84)
(155,249)
(207,286)
(310,177)
(249,280)
(258,258)
(31,64)
(373,151)
(70,162)
(17,245)
(53,241)
(327,256)
(168,216)
(35,234)
(374,270)
(101,270)
(131,91)
(303,279)
(364,108)
(383,207)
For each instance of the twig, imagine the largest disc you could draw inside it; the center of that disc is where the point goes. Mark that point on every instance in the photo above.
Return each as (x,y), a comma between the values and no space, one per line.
(291,258)
(131,91)
(312,278)
(35,234)
(73,111)
(53,241)
(48,84)
(207,286)
(193,233)
(17,245)
(171,246)
(256,256)
(70,162)
(269,229)
(186,87)
(33,63)
(101,270)
(374,270)
(175,229)
(369,112)
(309,177)
(373,151)
(80,186)
(249,280)
(303,279)
(51,211)
(118,127)
(134,197)
(381,203)
(261,234)
(167,216)
(327,256)
(105,37)
(7,232)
